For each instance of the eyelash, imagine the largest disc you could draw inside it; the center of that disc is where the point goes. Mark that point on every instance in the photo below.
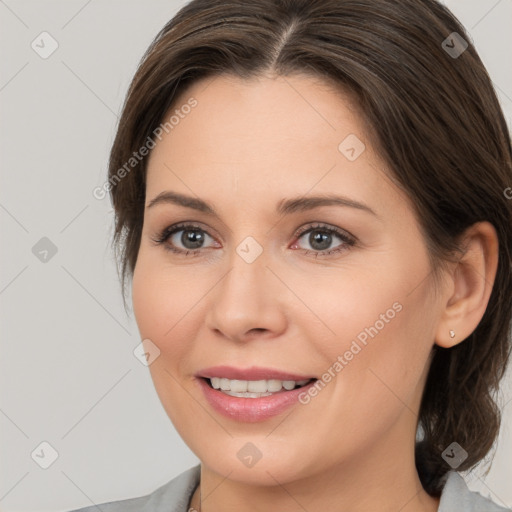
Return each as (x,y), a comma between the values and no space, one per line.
(348,240)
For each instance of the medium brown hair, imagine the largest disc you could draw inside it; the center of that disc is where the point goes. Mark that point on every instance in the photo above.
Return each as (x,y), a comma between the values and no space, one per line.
(436,123)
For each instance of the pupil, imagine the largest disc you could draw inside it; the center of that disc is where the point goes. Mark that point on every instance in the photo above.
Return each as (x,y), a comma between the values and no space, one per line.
(192,237)
(324,239)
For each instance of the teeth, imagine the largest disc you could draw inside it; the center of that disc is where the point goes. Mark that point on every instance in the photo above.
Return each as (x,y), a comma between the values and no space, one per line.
(254,388)
(288,384)
(274,385)
(238,386)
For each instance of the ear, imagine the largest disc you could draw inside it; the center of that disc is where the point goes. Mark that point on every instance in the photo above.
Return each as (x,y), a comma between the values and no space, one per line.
(469,285)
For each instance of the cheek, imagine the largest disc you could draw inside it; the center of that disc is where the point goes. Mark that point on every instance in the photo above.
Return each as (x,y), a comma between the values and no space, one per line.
(160,304)
(162,300)
(384,326)
(360,306)
(149,303)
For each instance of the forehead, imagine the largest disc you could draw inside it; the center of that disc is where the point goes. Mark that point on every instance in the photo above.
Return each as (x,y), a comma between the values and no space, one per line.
(265,137)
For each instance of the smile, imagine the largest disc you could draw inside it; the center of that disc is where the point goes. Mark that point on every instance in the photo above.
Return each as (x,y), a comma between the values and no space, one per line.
(253,394)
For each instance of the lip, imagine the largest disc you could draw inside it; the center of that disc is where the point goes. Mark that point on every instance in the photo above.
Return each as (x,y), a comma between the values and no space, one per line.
(252,373)
(250,410)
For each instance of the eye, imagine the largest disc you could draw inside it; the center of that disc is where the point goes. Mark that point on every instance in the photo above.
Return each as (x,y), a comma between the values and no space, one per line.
(192,239)
(321,237)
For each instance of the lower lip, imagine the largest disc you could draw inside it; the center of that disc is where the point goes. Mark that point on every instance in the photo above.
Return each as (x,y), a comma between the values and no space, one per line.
(251,410)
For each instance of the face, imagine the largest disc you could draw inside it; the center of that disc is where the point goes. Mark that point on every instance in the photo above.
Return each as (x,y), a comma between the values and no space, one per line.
(272,287)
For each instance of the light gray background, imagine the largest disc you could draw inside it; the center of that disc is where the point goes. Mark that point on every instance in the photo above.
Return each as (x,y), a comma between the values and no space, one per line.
(68,375)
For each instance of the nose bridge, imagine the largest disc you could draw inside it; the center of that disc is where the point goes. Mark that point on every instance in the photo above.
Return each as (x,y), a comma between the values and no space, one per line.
(248,275)
(245,298)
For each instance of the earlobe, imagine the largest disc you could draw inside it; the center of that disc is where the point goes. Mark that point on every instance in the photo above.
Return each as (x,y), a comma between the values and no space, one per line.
(471,284)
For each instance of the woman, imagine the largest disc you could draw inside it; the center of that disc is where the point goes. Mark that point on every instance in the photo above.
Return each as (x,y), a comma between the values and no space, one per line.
(311,207)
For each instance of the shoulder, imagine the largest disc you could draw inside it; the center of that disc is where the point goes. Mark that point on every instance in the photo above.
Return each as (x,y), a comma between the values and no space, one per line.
(174,496)
(456,497)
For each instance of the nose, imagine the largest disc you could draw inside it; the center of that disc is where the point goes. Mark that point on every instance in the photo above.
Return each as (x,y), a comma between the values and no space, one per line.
(247,302)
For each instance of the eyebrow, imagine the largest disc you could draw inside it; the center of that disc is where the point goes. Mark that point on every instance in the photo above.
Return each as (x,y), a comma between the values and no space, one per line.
(284,207)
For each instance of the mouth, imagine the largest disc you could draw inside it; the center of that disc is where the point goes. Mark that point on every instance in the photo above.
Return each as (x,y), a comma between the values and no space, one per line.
(253,394)
(254,388)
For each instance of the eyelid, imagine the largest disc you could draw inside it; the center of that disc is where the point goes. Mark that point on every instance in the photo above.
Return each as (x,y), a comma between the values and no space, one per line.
(168,231)
(327,227)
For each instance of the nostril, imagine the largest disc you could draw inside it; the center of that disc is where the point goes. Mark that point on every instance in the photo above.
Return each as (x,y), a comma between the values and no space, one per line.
(257,329)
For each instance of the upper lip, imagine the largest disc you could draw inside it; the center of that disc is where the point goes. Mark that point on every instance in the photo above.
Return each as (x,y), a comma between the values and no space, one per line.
(252,373)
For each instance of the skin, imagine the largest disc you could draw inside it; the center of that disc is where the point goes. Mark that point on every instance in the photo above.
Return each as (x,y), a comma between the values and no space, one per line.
(243,148)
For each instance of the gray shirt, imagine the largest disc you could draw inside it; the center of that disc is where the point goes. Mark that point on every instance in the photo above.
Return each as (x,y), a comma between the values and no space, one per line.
(174,496)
